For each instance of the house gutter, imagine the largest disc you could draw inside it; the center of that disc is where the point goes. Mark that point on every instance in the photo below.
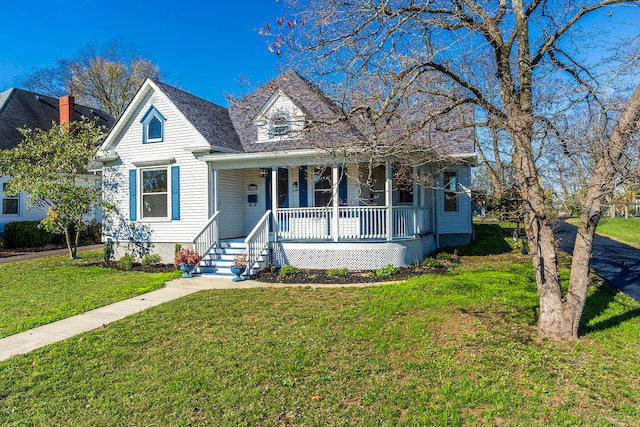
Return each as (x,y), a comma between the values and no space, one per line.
(291,158)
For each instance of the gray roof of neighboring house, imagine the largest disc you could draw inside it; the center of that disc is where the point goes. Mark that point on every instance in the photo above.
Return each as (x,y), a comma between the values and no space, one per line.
(211,120)
(21,108)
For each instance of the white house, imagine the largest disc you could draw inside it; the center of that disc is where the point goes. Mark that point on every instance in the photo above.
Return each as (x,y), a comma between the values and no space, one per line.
(183,170)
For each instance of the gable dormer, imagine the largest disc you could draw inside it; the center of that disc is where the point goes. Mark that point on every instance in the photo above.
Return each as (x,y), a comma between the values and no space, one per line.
(279,119)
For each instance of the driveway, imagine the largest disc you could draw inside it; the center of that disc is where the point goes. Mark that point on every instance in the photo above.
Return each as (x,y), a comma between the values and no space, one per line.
(22,256)
(617,262)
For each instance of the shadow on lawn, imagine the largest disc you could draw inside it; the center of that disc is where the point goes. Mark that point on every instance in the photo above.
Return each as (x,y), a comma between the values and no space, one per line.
(490,240)
(597,303)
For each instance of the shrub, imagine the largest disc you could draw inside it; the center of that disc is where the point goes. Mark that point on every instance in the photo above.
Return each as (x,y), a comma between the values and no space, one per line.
(126,262)
(288,270)
(2,245)
(149,260)
(338,272)
(92,232)
(106,253)
(387,271)
(444,256)
(430,262)
(26,234)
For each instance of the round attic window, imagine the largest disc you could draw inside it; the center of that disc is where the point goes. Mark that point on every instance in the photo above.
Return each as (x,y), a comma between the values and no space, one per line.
(279,123)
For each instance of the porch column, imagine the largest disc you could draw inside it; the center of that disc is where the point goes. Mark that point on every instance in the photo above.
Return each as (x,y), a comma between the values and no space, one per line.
(417,216)
(388,188)
(215,191)
(274,202)
(335,199)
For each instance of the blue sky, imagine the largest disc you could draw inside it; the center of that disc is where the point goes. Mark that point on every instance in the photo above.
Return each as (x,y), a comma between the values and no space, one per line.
(202,46)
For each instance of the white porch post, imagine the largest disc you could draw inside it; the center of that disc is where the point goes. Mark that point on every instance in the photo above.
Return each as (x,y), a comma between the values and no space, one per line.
(274,202)
(335,198)
(388,188)
(215,191)
(416,201)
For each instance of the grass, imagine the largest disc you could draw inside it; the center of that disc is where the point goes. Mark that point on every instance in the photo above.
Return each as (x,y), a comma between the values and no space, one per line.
(452,350)
(623,230)
(37,292)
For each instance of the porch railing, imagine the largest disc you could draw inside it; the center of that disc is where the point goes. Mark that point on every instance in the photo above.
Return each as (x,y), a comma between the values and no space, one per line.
(208,236)
(410,221)
(354,223)
(258,240)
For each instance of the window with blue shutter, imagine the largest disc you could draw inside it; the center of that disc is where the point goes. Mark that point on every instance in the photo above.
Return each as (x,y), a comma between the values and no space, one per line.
(302,181)
(175,192)
(133,198)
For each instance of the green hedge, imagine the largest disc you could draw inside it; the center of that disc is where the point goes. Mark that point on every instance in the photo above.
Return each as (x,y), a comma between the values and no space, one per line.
(26,234)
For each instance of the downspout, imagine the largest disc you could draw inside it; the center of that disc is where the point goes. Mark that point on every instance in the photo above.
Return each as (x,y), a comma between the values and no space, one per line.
(434,216)
(416,201)
(274,202)
(335,198)
(389,196)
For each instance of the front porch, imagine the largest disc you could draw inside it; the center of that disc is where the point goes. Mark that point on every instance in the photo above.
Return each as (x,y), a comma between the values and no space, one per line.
(345,232)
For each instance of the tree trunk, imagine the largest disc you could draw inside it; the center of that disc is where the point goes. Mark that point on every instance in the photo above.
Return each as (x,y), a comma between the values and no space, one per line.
(72,245)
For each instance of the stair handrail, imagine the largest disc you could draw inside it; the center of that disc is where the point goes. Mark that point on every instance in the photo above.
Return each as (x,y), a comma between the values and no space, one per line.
(257,240)
(207,238)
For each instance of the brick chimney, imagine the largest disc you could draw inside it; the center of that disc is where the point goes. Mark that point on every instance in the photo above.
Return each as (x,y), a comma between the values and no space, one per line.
(67,109)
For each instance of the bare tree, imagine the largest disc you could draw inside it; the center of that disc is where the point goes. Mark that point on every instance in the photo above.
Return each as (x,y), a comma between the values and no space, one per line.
(105,77)
(521,64)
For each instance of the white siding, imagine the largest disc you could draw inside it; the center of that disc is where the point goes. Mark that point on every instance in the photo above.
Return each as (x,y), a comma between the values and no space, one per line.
(353,185)
(253,213)
(280,103)
(193,177)
(455,222)
(24,214)
(231,203)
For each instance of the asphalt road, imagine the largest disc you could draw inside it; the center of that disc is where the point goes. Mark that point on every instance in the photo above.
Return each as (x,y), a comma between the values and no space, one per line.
(22,256)
(617,262)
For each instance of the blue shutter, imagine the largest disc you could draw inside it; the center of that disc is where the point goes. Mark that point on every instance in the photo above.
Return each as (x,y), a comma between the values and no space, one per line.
(267,191)
(175,192)
(133,196)
(342,188)
(302,182)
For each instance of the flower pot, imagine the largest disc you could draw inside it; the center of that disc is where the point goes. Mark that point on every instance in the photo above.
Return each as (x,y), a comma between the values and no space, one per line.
(187,268)
(238,271)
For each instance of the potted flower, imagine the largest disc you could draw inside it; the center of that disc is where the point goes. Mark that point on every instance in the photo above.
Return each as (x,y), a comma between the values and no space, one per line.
(186,260)
(239,265)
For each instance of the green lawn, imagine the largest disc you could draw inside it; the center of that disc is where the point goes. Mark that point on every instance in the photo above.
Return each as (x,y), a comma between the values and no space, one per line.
(437,350)
(623,230)
(37,292)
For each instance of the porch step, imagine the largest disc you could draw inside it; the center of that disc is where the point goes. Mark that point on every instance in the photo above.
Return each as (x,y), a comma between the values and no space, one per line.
(218,261)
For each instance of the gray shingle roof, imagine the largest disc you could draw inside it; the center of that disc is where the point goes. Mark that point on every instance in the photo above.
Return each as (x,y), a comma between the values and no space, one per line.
(306,96)
(20,108)
(234,129)
(211,120)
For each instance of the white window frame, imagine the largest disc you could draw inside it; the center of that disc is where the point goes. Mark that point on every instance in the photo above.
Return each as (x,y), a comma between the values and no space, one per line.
(447,191)
(141,193)
(146,120)
(318,173)
(5,197)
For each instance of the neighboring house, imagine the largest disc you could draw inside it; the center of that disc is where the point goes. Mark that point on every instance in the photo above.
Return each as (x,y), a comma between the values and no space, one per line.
(183,170)
(20,108)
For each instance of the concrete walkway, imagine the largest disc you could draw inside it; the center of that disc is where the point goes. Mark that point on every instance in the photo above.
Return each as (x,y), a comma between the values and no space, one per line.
(57,331)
